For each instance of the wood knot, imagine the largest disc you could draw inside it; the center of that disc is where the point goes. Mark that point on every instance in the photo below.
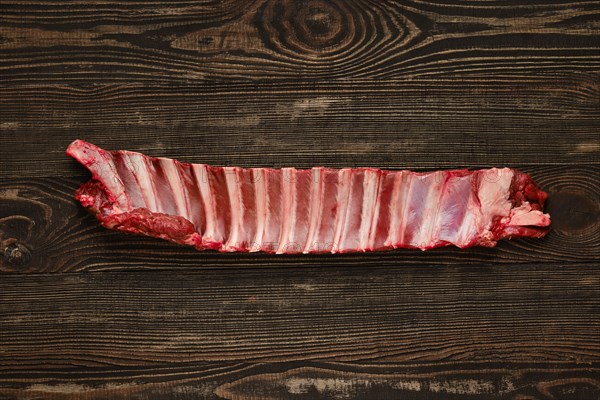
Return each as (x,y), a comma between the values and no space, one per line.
(319,24)
(573,212)
(333,29)
(313,26)
(17,255)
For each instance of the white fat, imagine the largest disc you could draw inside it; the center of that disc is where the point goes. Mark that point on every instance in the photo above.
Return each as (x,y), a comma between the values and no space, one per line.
(426,234)
(375,216)
(408,179)
(139,164)
(179,193)
(375,220)
(370,182)
(397,210)
(314,212)
(288,211)
(525,216)
(133,170)
(343,198)
(494,190)
(260,195)
(468,228)
(234,190)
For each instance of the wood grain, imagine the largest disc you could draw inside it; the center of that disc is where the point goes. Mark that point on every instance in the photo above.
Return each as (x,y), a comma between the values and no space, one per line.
(109,41)
(42,229)
(368,314)
(89,313)
(310,380)
(548,119)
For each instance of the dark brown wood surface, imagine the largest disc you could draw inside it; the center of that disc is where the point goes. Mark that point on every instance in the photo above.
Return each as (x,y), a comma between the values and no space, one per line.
(90,313)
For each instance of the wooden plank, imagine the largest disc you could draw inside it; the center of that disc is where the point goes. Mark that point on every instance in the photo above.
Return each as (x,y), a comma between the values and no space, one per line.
(42,229)
(419,124)
(90,313)
(455,313)
(310,380)
(187,41)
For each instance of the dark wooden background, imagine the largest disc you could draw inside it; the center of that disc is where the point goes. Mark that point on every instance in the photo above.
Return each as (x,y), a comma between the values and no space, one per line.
(90,313)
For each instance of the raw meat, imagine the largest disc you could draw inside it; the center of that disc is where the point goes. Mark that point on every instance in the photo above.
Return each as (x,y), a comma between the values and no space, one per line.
(307,211)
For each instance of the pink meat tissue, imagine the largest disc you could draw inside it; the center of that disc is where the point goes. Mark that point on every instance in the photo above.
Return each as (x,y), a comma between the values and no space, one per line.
(318,210)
